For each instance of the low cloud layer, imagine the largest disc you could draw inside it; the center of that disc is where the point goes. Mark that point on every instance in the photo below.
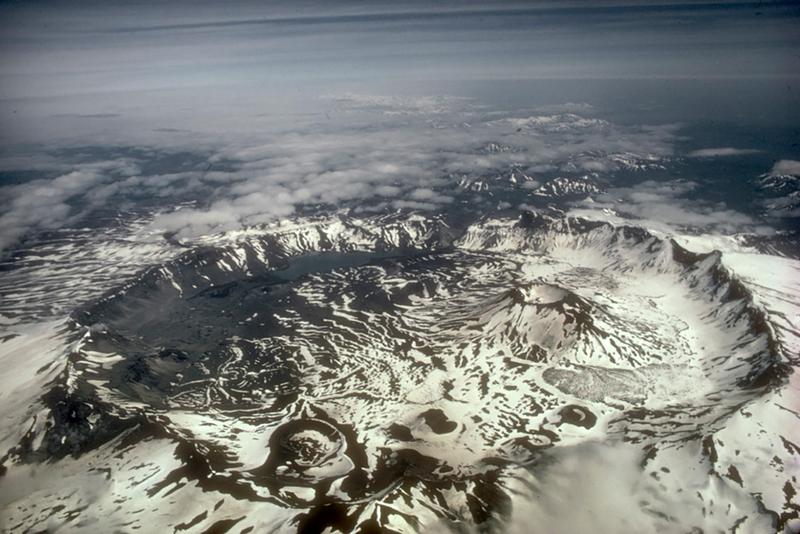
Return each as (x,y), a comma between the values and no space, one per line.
(370,152)
(406,162)
(667,206)
(786,167)
(721,152)
(46,204)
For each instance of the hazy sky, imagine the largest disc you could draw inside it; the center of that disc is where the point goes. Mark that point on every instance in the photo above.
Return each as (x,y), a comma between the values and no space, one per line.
(56,49)
(210,60)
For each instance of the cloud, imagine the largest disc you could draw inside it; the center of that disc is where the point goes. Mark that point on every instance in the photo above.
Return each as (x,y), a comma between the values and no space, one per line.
(584,473)
(360,156)
(429,195)
(86,115)
(398,105)
(786,167)
(567,107)
(401,160)
(44,204)
(721,152)
(666,206)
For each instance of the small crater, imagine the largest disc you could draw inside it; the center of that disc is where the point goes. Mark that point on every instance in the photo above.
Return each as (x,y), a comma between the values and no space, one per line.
(438,421)
(573,414)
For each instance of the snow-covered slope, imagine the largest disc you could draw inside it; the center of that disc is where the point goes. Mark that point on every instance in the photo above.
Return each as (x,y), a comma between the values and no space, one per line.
(349,373)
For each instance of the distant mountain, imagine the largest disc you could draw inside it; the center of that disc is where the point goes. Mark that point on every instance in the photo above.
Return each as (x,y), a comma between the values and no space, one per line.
(570,187)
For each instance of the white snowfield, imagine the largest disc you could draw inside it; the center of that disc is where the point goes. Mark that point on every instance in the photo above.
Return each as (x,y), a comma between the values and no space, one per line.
(539,374)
